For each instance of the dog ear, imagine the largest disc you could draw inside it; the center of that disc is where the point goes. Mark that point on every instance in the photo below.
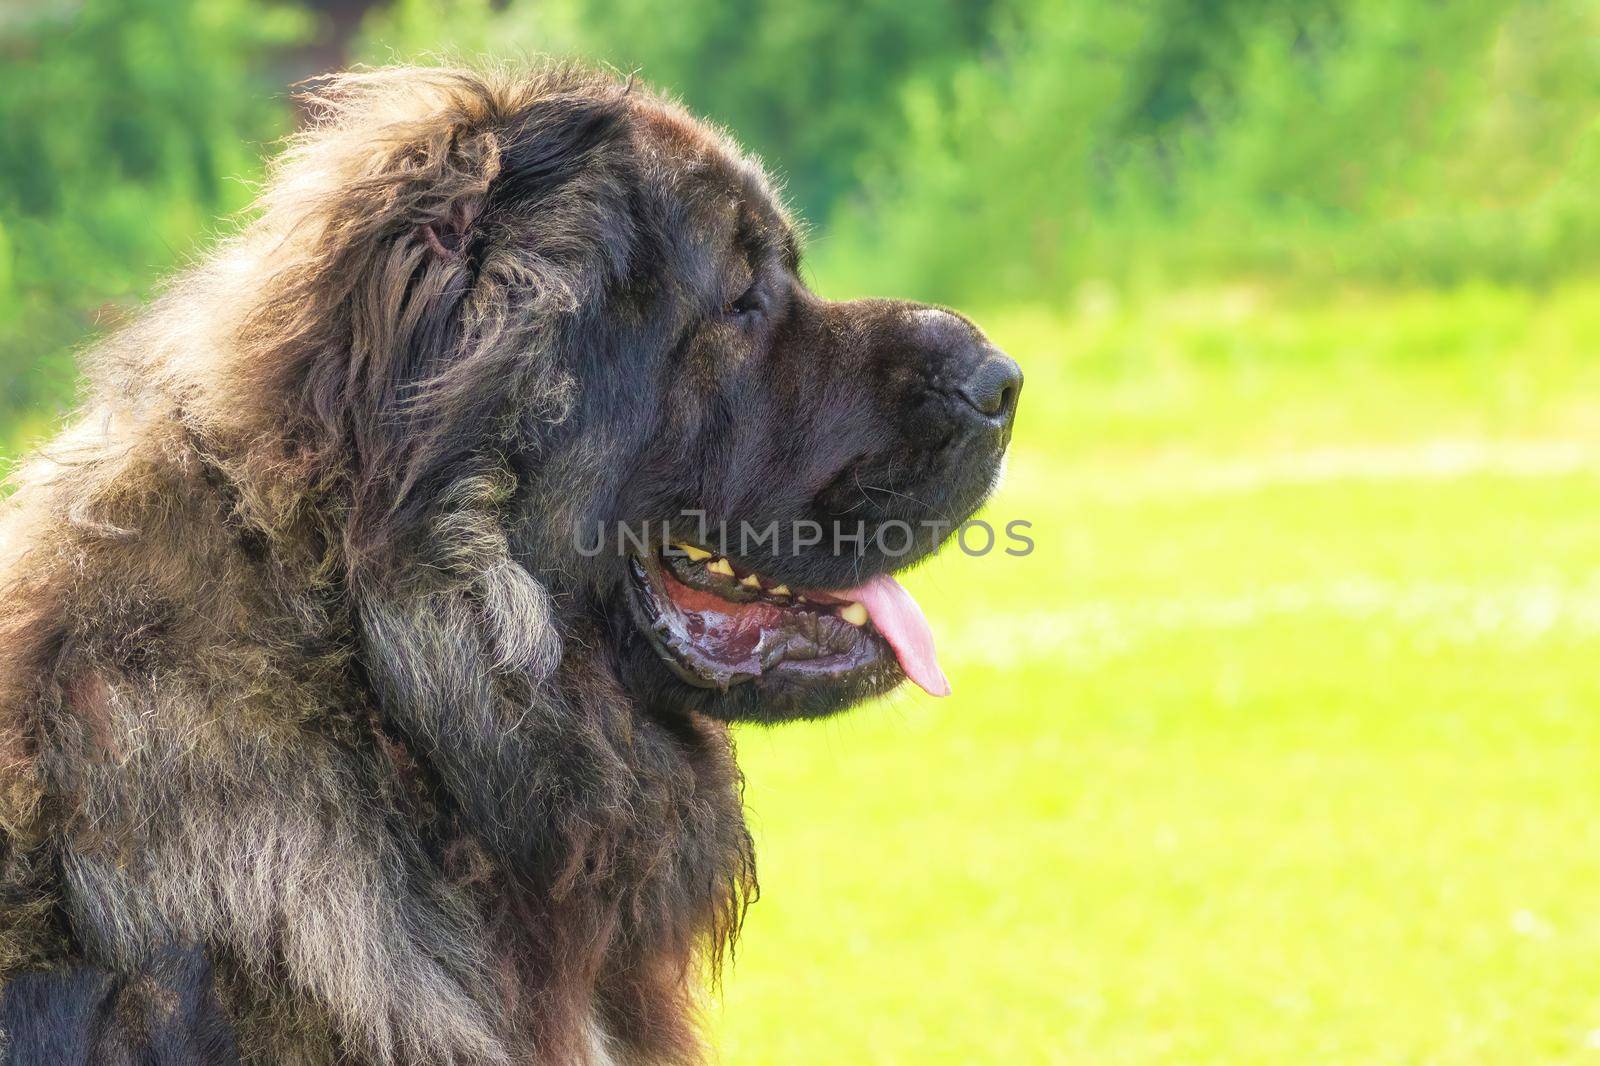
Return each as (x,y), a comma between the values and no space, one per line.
(433,229)
(522,161)
(447,236)
(472,339)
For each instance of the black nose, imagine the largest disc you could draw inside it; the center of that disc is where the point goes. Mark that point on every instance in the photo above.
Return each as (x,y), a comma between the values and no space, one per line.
(993,385)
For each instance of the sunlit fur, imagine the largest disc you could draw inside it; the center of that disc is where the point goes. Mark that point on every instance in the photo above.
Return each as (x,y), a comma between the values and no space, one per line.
(272,683)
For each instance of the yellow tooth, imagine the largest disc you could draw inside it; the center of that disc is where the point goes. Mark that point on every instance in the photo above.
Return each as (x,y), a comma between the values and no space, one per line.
(779,590)
(854,613)
(694,554)
(750,581)
(720,566)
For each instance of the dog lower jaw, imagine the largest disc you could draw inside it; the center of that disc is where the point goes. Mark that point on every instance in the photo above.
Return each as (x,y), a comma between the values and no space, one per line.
(757,658)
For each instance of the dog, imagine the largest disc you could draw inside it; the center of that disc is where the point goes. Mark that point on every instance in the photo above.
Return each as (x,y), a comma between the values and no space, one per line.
(335,723)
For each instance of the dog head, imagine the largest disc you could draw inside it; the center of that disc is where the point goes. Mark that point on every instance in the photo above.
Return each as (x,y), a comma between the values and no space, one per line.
(789,453)
(578,353)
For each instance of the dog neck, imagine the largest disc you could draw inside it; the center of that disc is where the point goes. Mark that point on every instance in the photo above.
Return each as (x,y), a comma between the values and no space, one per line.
(579,828)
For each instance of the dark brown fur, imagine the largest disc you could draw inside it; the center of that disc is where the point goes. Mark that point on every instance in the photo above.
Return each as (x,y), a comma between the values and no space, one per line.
(247,533)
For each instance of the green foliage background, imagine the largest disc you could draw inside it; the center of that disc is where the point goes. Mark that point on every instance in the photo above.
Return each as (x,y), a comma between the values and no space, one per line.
(125,131)
(994,150)
(1282,746)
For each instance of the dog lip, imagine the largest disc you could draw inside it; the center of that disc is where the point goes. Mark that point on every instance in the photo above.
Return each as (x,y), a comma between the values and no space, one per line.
(717,643)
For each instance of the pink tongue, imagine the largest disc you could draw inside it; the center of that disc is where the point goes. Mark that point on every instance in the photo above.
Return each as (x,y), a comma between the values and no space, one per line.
(900,620)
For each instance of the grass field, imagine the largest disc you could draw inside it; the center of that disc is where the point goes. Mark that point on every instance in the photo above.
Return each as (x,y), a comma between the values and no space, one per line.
(1282,747)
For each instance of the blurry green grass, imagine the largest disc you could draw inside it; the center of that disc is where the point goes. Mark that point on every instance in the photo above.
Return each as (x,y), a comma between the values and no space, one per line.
(1283,746)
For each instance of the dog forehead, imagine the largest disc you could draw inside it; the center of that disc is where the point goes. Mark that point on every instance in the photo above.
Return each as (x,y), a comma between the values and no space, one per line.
(704,165)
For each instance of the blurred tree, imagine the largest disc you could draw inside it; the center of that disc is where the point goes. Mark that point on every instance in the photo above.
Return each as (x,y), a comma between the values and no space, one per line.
(121,122)
(1163,141)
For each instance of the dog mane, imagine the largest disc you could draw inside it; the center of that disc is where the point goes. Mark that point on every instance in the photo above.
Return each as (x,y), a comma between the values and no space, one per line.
(275,676)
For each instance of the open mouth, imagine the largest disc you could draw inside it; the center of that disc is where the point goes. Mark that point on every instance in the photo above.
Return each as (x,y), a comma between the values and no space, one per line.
(717,625)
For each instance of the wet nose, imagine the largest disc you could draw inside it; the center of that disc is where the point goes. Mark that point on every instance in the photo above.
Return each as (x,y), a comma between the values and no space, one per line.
(982,380)
(992,386)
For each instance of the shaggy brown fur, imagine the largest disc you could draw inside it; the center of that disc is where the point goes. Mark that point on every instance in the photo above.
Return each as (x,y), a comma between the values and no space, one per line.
(303,693)
(191,751)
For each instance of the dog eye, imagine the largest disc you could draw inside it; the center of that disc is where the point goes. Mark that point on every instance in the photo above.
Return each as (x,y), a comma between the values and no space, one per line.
(747,306)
